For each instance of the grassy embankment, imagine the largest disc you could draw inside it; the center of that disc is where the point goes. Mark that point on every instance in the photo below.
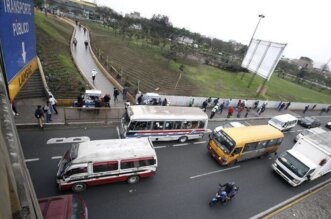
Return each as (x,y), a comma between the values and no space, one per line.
(146,63)
(53,48)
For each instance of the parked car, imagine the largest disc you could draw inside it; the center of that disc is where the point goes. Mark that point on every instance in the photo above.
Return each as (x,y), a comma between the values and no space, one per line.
(63,207)
(328,125)
(309,122)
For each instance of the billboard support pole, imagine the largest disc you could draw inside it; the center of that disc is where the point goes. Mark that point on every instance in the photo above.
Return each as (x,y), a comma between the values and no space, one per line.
(262,87)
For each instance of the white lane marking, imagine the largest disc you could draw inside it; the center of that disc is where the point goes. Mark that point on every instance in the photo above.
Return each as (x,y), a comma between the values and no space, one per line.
(178,145)
(118,132)
(200,142)
(68,140)
(56,157)
(217,171)
(32,159)
(158,147)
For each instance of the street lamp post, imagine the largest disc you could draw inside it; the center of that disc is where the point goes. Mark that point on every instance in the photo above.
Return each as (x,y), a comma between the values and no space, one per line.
(250,42)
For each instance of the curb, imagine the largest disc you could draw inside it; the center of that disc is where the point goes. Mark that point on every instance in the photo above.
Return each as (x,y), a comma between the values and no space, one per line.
(292,201)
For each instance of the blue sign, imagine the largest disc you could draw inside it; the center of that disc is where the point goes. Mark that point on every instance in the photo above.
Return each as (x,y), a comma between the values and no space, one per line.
(17,36)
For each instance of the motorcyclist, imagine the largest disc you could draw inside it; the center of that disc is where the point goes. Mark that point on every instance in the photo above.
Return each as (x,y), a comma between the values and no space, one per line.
(230,189)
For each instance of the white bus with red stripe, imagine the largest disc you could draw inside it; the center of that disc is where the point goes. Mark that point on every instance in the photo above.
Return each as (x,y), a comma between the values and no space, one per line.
(106,161)
(164,123)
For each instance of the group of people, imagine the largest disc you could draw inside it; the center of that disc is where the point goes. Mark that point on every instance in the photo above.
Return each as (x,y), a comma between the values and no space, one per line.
(75,40)
(152,101)
(49,108)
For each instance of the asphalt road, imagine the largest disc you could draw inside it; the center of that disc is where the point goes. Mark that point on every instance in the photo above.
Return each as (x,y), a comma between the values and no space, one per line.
(186,179)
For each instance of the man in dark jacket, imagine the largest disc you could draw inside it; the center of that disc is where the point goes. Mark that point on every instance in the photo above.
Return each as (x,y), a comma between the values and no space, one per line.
(39,114)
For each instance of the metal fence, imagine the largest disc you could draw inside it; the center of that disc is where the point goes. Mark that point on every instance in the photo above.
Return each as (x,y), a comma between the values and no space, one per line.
(97,115)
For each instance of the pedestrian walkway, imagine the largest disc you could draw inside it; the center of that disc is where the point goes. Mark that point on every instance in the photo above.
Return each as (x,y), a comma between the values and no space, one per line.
(83,59)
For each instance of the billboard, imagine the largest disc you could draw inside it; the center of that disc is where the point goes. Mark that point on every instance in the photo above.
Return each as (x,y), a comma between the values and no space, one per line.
(18,42)
(262,57)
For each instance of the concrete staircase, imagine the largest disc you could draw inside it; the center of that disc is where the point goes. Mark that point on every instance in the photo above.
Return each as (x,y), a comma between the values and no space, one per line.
(33,87)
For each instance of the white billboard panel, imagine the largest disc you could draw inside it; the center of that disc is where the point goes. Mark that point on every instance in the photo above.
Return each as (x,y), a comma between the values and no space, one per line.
(262,57)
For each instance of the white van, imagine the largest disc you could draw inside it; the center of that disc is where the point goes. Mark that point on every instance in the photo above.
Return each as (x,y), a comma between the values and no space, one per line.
(106,161)
(229,125)
(305,132)
(283,122)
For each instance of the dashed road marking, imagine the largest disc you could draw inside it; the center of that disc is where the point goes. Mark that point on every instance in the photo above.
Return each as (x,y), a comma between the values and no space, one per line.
(179,145)
(213,172)
(56,157)
(158,147)
(200,142)
(68,140)
(31,160)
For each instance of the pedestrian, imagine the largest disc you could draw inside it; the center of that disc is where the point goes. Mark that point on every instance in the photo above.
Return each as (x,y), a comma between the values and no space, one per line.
(227,103)
(140,99)
(313,107)
(247,111)
(116,93)
(125,92)
(287,105)
(256,104)
(39,114)
(94,74)
(165,102)
(191,102)
(243,103)
(48,109)
(84,30)
(13,107)
(238,104)
(75,42)
(86,44)
(80,100)
(230,111)
(209,101)
(281,107)
(106,100)
(216,101)
(76,22)
(240,109)
(204,105)
(306,108)
(213,111)
(53,102)
(221,107)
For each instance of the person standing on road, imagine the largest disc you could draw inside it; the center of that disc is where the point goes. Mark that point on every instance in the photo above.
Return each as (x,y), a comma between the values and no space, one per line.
(247,111)
(213,111)
(221,107)
(313,107)
(125,92)
(140,99)
(94,74)
(53,102)
(39,114)
(86,44)
(204,105)
(287,105)
(306,108)
(230,111)
(116,93)
(48,109)
(75,42)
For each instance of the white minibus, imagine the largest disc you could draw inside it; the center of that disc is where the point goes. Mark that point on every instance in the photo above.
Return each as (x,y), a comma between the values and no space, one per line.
(106,161)
(283,122)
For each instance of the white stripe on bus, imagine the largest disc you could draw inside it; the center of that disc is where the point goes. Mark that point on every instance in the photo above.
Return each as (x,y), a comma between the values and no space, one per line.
(218,171)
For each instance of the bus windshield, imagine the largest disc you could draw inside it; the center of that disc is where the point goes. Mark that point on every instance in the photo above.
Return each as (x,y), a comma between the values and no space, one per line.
(70,155)
(223,141)
(296,166)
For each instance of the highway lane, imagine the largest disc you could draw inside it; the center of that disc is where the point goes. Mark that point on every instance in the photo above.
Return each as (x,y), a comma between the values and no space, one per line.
(187,178)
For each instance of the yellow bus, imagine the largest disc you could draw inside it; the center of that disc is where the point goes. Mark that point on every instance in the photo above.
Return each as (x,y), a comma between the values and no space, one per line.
(229,145)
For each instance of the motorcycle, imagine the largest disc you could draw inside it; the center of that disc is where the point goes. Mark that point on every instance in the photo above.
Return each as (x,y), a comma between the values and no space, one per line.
(222,197)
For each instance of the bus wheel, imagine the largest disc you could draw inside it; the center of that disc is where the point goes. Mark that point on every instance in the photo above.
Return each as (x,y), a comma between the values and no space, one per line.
(182,139)
(78,187)
(133,179)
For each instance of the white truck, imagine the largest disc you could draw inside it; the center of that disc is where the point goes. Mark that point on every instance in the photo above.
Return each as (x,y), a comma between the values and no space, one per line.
(311,131)
(309,159)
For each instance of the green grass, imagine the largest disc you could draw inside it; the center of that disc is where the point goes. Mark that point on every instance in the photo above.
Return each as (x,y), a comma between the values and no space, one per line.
(53,48)
(197,80)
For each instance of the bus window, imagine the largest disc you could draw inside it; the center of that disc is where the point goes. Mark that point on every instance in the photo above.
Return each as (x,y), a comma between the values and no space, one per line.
(132,125)
(274,142)
(250,147)
(158,125)
(105,166)
(195,124)
(142,126)
(169,125)
(237,151)
(148,162)
(261,145)
(177,125)
(75,171)
(187,125)
(201,124)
